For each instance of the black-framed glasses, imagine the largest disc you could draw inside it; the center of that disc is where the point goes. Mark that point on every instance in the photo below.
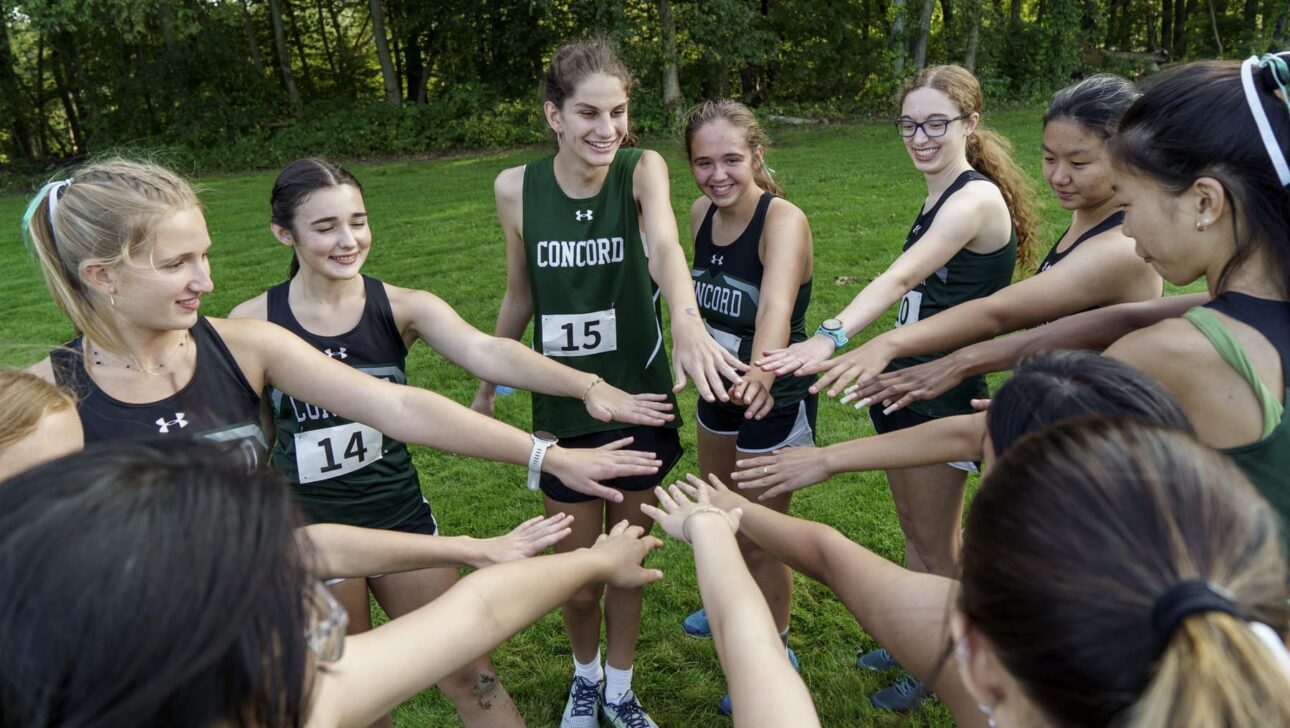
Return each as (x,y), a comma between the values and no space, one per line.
(931,128)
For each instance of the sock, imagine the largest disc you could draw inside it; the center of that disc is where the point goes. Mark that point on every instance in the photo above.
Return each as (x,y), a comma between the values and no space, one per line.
(617,683)
(591,671)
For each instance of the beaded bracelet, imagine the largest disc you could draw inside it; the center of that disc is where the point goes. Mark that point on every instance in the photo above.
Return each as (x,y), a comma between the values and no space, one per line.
(587,391)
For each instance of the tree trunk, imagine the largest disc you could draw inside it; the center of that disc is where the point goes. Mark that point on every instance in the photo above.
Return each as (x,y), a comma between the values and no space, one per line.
(413,66)
(672,100)
(1167,26)
(897,43)
(252,44)
(974,35)
(1182,8)
(1213,24)
(392,95)
(924,30)
(306,76)
(1279,35)
(342,49)
(61,74)
(19,129)
(284,58)
(1014,13)
(326,44)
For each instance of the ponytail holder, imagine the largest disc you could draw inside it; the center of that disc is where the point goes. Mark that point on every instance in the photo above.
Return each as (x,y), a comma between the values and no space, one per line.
(1184,599)
(55,191)
(1280,75)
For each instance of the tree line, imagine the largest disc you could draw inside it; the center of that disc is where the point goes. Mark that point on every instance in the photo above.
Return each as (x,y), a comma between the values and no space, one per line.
(392,76)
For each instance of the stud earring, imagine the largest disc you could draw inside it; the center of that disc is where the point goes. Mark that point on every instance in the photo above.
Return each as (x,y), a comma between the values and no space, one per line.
(988,710)
(1201,226)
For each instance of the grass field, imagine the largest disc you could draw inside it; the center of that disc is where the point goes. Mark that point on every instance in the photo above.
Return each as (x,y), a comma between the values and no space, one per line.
(435,228)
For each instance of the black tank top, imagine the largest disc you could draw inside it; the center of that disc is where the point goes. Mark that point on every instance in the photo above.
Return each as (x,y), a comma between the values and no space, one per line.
(727,284)
(345,472)
(1268,317)
(217,403)
(1115,219)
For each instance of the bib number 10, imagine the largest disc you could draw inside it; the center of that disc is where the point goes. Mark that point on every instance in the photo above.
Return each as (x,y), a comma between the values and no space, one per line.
(910,306)
(580,334)
(335,451)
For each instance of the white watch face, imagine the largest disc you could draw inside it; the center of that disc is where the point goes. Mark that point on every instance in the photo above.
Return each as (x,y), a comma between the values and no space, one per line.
(546,437)
(832,325)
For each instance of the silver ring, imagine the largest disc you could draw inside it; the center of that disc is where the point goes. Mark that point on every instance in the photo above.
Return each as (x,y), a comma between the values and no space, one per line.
(764,471)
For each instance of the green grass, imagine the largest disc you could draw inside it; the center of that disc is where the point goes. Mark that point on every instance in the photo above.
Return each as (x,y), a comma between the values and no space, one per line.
(435,228)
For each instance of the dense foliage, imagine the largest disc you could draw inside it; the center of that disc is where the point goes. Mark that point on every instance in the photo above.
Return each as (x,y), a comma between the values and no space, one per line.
(234,84)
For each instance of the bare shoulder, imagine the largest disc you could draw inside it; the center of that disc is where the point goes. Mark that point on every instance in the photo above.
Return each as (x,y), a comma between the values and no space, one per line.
(408,299)
(43,369)
(509,185)
(782,212)
(651,162)
(1170,350)
(978,194)
(246,330)
(257,307)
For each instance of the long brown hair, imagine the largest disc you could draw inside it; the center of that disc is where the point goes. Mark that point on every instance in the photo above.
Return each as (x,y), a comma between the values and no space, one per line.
(24,400)
(742,118)
(1073,538)
(987,152)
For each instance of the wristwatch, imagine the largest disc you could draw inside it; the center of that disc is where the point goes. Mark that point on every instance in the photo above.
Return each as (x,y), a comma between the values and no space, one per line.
(833,329)
(541,441)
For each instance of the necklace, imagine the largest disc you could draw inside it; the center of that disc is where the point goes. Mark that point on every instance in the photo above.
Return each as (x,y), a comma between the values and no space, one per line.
(134,365)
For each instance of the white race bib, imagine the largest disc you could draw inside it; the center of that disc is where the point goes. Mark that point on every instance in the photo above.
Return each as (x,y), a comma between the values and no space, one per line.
(580,334)
(328,453)
(909,307)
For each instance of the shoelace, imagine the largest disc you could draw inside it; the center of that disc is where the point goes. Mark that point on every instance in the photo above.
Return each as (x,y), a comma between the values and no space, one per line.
(585,695)
(909,686)
(631,713)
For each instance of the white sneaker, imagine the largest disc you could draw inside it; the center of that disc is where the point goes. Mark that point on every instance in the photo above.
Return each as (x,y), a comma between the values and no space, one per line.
(627,714)
(584,704)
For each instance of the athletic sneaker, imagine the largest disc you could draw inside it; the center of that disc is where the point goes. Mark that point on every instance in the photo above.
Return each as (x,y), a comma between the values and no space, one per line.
(725,706)
(877,660)
(627,714)
(902,697)
(696,625)
(583,705)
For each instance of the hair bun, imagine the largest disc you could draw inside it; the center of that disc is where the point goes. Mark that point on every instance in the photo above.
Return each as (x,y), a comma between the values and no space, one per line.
(1274,71)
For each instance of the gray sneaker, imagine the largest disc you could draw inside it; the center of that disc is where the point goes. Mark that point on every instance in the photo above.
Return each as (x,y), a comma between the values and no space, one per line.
(902,697)
(627,714)
(584,704)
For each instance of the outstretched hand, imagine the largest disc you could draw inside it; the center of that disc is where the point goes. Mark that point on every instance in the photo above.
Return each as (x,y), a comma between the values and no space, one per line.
(677,509)
(608,403)
(582,469)
(719,494)
(530,538)
(804,357)
(898,389)
(858,365)
(625,547)
(695,354)
(782,471)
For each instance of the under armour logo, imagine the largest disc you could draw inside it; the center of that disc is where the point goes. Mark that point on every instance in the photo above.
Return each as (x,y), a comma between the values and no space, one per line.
(163,426)
(338,354)
(582,215)
(916,229)
(718,260)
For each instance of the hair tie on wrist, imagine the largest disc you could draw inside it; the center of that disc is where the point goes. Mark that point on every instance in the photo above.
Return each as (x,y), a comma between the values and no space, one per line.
(1184,599)
(700,509)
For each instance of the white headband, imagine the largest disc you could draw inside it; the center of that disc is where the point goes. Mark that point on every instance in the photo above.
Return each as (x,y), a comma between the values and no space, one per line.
(1261,120)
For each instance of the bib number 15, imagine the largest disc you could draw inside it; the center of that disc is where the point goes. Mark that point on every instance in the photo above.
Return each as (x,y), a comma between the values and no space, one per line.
(335,451)
(580,334)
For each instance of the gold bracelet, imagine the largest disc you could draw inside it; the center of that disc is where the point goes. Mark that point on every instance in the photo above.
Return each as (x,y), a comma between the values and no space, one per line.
(700,509)
(587,391)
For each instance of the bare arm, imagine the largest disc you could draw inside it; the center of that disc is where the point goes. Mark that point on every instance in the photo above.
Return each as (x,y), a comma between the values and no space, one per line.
(267,353)
(907,612)
(1099,273)
(391,663)
(956,225)
(748,644)
(1094,330)
(694,353)
(348,551)
(943,440)
(786,257)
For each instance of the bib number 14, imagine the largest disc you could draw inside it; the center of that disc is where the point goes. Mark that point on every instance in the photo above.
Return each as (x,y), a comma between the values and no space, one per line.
(579,334)
(335,451)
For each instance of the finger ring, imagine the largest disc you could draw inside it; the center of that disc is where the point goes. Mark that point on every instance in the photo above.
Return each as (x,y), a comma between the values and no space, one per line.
(764,471)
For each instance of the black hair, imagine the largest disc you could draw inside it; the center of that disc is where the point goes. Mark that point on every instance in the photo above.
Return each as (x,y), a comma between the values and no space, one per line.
(151,584)
(1058,385)
(1196,122)
(1094,104)
(295,183)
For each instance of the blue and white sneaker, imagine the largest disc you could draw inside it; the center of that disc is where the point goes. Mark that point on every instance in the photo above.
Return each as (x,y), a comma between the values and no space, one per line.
(725,707)
(626,714)
(583,705)
(878,660)
(696,625)
(902,697)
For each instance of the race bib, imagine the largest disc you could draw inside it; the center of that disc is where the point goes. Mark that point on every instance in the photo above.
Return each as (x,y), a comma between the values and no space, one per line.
(728,341)
(580,334)
(334,451)
(909,307)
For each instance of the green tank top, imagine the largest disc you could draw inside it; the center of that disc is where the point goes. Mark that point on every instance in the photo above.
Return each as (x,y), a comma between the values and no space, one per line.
(1267,460)
(595,307)
(966,276)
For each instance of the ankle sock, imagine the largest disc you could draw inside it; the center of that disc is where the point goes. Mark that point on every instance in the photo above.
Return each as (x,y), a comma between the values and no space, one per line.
(617,683)
(591,671)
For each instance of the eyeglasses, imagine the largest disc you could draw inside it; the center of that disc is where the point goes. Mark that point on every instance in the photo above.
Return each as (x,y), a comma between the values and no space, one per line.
(931,128)
(328,622)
